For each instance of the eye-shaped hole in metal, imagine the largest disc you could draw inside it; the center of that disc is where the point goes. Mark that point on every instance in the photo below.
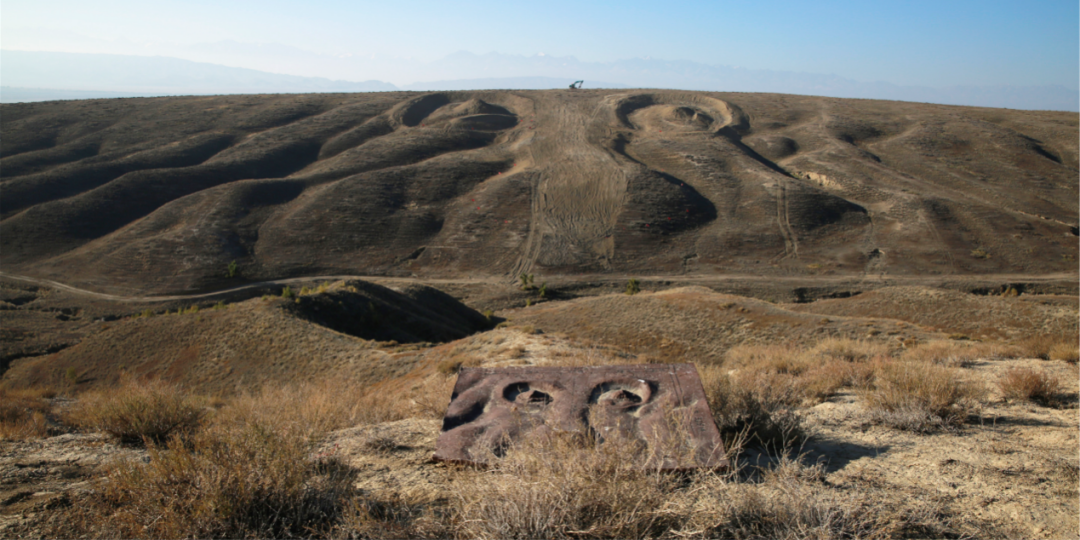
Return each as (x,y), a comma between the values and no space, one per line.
(621,398)
(621,394)
(523,394)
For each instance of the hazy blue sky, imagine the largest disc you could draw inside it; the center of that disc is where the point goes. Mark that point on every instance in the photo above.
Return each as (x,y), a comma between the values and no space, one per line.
(931,43)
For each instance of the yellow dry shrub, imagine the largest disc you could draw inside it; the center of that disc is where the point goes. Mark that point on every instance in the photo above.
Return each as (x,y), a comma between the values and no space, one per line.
(849,350)
(1037,346)
(226,481)
(564,486)
(957,354)
(136,411)
(917,396)
(1065,351)
(23,413)
(1026,384)
(760,405)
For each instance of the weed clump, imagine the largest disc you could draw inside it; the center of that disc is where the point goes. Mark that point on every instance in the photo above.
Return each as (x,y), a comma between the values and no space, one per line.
(563,486)
(920,397)
(1039,346)
(633,286)
(759,405)
(246,482)
(24,413)
(452,365)
(135,412)
(1025,384)
(953,354)
(849,350)
(1065,351)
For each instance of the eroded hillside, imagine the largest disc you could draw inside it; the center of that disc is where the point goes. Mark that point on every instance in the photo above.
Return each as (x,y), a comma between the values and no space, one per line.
(160,195)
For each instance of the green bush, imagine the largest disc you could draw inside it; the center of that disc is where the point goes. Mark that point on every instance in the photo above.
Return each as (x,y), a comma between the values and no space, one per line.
(633,286)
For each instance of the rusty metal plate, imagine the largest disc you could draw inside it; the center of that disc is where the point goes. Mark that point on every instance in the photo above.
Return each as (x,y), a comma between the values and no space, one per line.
(660,406)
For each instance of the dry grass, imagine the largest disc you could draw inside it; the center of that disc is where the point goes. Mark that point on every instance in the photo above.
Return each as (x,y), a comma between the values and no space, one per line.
(919,396)
(805,376)
(954,354)
(24,413)
(1038,346)
(1026,384)
(252,470)
(225,482)
(1065,351)
(761,406)
(564,487)
(568,487)
(452,365)
(134,411)
(849,350)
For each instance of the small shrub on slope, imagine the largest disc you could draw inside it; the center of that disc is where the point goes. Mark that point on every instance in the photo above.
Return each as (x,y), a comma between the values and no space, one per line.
(23,413)
(953,354)
(920,397)
(759,405)
(247,482)
(1025,384)
(137,411)
(1066,352)
(849,350)
(564,487)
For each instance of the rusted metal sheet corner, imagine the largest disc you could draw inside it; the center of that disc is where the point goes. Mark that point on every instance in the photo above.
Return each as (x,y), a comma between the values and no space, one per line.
(661,408)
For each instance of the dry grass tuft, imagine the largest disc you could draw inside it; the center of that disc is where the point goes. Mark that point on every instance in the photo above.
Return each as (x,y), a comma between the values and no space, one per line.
(957,354)
(24,413)
(566,486)
(134,411)
(920,397)
(1066,352)
(253,481)
(849,350)
(308,408)
(561,488)
(1025,384)
(759,405)
(1038,346)
(452,365)
(394,517)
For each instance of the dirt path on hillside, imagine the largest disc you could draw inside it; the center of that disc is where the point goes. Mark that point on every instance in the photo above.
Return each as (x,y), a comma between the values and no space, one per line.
(557,279)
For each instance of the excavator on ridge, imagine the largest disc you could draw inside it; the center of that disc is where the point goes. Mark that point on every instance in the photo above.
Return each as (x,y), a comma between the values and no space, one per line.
(576,85)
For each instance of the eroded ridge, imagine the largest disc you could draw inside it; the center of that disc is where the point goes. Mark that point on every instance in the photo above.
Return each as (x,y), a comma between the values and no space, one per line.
(659,409)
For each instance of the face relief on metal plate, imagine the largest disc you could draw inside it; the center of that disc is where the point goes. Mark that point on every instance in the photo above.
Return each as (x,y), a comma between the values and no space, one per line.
(660,409)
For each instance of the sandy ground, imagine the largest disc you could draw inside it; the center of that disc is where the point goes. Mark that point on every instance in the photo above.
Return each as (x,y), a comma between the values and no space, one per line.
(1013,469)
(1010,471)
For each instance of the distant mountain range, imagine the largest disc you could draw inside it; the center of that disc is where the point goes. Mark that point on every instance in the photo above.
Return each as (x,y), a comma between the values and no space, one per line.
(36,76)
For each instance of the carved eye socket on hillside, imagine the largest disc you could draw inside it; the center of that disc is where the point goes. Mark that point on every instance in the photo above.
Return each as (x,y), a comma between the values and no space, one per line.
(523,394)
(621,395)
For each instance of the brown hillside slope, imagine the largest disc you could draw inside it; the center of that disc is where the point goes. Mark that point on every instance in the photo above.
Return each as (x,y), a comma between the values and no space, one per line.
(159,195)
(348,330)
(980,317)
(698,325)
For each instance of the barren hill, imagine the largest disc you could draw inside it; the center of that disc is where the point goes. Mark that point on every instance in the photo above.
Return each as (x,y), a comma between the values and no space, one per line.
(159,195)
(352,329)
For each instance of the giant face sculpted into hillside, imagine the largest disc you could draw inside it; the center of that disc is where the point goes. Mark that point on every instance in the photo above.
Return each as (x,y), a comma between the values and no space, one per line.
(657,411)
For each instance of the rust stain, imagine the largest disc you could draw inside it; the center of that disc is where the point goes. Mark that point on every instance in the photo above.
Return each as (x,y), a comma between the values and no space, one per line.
(662,406)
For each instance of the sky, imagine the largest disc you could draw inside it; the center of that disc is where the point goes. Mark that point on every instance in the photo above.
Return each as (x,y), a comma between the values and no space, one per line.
(926,43)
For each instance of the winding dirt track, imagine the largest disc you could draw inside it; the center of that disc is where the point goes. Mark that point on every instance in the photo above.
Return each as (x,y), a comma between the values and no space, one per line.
(554,280)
